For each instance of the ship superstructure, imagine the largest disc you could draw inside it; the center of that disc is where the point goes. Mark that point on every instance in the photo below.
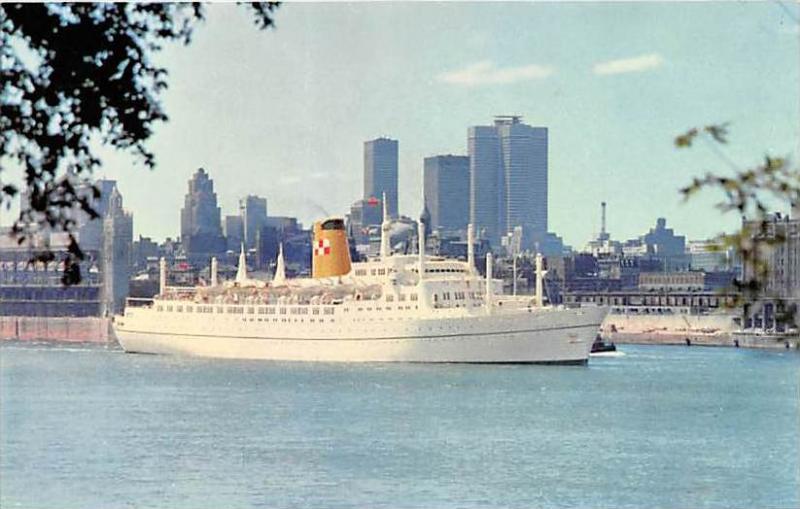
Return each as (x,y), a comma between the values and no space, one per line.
(392,308)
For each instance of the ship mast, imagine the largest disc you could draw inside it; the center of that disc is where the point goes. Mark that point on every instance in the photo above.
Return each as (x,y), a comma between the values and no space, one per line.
(471,248)
(241,271)
(539,280)
(280,268)
(162,275)
(421,236)
(489,289)
(386,226)
(214,271)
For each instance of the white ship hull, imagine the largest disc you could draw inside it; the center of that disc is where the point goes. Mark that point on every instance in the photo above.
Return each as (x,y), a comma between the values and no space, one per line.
(550,335)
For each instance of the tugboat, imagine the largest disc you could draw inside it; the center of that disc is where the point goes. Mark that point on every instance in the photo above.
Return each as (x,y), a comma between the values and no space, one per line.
(600,346)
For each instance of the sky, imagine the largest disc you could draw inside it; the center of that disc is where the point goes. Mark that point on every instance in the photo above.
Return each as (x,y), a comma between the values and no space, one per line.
(283,113)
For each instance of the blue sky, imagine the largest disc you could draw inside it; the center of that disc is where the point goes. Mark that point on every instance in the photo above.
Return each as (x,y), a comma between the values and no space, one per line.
(614,83)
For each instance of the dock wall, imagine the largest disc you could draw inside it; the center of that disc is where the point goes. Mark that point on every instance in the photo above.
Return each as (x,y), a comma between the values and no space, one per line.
(62,329)
(675,329)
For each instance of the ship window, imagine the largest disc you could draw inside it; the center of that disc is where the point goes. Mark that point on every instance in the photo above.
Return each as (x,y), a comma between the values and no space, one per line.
(169,308)
(189,309)
(381,272)
(295,311)
(262,311)
(389,298)
(361,272)
(414,296)
(435,297)
(282,311)
(159,308)
(328,311)
(303,311)
(179,309)
(372,272)
(315,311)
(401,297)
(219,309)
(270,311)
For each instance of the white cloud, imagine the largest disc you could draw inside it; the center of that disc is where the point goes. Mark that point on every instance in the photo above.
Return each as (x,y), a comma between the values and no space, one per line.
(635,64)
(485,73)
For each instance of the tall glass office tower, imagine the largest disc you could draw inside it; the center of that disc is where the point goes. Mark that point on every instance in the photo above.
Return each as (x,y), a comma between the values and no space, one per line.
(508,179)
(380,171)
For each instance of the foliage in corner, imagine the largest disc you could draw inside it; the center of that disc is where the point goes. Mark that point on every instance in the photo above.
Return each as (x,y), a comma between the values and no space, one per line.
(752,193)
(74,74)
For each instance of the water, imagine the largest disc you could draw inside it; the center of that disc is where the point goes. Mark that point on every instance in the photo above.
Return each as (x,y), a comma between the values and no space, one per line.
(660,427)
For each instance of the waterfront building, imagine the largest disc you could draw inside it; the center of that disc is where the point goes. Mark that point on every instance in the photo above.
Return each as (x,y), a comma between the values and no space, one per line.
(201,229)
(508,179)
(446,192)
(381,172)
(782,257)
(254,216)
(695,280)
(34,288)
(710,255)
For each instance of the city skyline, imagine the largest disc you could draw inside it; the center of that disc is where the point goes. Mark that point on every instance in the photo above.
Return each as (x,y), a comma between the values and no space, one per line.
(612,91)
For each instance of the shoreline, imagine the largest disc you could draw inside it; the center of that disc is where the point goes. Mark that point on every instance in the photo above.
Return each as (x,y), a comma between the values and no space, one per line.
(715,340)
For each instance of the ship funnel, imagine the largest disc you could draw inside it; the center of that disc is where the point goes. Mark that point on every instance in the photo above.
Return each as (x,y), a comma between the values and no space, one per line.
(330,254)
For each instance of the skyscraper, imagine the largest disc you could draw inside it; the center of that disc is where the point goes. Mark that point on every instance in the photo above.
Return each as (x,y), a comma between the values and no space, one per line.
(254,217)
(233,228)
(487,200)
(508,179)
(446,190)
(380,171)
(201,231)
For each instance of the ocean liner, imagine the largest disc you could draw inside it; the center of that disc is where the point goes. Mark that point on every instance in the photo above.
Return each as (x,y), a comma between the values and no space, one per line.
(391,308)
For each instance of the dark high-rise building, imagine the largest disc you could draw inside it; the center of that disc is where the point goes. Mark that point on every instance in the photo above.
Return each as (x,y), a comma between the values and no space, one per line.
(234,232)
(201,231)
(254,216)
(508,179)
(380,172)
(446,190)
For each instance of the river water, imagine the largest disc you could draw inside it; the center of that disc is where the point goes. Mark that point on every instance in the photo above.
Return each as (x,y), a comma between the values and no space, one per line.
(659,427)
